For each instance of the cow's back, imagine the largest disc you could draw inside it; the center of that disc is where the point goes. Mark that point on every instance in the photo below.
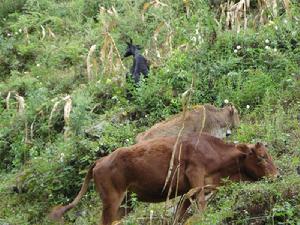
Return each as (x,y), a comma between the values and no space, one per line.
(199,119)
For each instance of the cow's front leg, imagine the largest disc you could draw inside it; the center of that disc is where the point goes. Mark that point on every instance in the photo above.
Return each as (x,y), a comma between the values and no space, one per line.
(195,175)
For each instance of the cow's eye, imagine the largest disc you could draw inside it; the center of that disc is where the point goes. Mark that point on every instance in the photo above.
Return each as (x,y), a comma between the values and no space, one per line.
(261,159)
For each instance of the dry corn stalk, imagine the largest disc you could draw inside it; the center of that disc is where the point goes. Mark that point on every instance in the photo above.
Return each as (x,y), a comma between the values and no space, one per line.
(155,35)
(26,35)
(67,112)
(148,5)
(186,4)
(21,113)
(21,104)
(7,100)
(89,64)
(286,4)
(51,33)
(67,109)
(31,129)
(110,57)
(43,33)
(235,13)
(160,50)
(188,196)
(54,109)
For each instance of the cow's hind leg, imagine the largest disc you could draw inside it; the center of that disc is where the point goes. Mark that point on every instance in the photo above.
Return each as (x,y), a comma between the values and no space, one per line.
(110,195)
(126,206)
(111,205)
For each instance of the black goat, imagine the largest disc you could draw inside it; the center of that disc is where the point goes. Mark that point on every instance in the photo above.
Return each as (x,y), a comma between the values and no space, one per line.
(140,64)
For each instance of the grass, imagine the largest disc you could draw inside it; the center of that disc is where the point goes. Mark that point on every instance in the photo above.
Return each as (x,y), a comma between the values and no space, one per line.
(46,53)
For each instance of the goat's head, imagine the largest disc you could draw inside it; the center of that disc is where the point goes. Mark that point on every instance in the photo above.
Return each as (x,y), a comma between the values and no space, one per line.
(131,49)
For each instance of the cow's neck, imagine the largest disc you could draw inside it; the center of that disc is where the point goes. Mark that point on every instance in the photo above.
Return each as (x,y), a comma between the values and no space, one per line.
(234,171)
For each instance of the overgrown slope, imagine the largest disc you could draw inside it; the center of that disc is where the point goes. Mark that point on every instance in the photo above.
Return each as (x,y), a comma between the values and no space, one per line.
(57,116)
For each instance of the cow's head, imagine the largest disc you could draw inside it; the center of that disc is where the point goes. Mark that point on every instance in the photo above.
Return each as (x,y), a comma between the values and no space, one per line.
(131,49)
(256,161)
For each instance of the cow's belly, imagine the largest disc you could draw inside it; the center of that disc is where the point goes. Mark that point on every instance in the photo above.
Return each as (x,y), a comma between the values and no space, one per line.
(153,192)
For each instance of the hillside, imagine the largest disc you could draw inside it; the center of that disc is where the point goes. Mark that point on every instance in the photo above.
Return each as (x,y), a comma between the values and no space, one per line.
(65,100)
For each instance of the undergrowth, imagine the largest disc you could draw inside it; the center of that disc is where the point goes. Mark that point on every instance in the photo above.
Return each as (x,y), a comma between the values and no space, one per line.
(44,151)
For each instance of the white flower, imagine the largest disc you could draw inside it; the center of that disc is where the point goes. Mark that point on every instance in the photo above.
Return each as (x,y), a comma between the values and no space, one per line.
(267,41)
(285,21)
(238,47)
(248,106)
(235,51)
(38,65)
(275,49)
(235,142)
(276,27)
(226,101)
(8,34)
(127,140)
(267,47)
(16,33)
(20,30)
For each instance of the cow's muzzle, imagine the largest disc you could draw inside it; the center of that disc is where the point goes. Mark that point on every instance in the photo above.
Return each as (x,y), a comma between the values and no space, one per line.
(228,132)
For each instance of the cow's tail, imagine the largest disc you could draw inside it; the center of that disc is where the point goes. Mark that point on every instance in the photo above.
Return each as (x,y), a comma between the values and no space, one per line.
(58,211)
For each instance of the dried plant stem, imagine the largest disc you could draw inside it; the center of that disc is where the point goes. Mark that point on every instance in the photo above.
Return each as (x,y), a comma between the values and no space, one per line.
(286,4)
(51,33)
(7,100)
(67,112)
(43,33)
(21,104)
(116,49)
(89,65)
(52,112)
(188,196)
(32,129)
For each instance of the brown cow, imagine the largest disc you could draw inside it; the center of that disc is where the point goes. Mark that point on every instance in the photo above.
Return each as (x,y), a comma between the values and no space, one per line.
(206,118)
(142,169)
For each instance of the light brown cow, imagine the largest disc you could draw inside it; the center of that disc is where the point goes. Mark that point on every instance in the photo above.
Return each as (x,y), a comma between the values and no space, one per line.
(142,169)
(206,118)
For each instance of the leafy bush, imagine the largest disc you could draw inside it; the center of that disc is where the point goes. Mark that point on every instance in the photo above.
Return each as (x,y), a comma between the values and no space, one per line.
(43,57)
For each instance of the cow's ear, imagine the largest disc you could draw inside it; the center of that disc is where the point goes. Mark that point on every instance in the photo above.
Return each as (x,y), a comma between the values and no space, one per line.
(258,145)
(244,149)
(231,109)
